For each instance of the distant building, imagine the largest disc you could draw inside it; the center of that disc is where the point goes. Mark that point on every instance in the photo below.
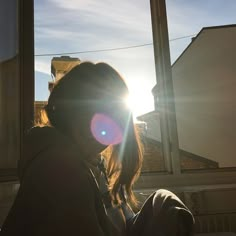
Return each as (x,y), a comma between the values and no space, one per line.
(153,160)
(38,107)
(204,81)
(59,67)
(153,157)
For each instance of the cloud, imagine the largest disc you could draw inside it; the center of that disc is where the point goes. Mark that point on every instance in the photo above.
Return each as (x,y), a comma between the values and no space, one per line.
(62,26)
(43,66)
(117,11)
(124,21)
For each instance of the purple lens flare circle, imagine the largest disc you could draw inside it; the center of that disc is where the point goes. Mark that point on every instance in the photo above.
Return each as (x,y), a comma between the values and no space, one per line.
(105,130)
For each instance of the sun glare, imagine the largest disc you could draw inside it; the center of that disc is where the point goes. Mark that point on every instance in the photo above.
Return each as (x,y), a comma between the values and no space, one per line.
(139,103)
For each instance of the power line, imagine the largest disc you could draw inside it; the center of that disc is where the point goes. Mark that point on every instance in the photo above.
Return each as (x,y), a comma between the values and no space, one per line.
(107,49)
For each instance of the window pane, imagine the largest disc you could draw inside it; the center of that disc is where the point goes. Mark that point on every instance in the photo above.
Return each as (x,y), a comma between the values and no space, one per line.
(9,89)
(117,32)
(203,55)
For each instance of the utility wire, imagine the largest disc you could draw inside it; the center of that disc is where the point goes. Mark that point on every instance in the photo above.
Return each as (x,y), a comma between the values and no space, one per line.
(108,49)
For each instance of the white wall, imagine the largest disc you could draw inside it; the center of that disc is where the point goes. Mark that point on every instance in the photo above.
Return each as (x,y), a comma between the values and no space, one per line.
(204,80)
(205,89)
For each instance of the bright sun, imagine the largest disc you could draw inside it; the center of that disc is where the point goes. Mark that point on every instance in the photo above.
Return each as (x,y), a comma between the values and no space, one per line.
(139,102)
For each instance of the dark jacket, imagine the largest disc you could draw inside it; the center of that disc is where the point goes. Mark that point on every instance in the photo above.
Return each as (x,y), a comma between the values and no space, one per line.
(163,214)
(58,194)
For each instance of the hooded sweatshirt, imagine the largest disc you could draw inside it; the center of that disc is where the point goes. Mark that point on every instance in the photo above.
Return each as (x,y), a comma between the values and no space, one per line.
(58,194)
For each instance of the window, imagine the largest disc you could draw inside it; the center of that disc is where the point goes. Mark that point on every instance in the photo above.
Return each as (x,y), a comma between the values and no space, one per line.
(203,85)
(204,80)
(101,31)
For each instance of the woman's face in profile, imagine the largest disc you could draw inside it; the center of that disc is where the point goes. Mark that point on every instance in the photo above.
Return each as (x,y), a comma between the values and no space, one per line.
(83,136)
(101,124)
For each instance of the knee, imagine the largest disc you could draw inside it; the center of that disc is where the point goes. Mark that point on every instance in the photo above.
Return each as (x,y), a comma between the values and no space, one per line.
(170,210)
(163,198)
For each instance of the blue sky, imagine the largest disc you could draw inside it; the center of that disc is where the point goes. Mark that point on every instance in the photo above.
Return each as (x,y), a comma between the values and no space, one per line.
(79,25)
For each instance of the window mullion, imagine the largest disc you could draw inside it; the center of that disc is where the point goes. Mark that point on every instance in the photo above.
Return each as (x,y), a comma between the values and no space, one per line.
(166,105)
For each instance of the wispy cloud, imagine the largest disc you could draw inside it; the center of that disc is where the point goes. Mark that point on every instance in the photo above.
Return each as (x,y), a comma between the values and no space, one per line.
(122,20)
(110,12)
(62,26)
(42,66)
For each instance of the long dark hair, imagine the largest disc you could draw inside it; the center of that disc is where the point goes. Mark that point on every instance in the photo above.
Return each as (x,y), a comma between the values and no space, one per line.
(92,87)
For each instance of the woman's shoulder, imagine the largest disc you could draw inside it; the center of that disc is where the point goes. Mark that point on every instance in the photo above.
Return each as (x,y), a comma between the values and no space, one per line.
(47,147)
(56,167)
(56,172)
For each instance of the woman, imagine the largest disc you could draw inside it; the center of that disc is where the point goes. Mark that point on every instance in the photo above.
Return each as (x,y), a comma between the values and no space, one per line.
(78,169)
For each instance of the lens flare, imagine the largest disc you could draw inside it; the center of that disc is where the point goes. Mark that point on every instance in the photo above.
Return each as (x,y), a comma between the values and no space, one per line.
(105,130)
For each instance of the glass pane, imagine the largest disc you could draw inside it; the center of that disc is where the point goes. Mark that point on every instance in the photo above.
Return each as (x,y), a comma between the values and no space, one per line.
(9,89)
(203,69)
(117,32)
